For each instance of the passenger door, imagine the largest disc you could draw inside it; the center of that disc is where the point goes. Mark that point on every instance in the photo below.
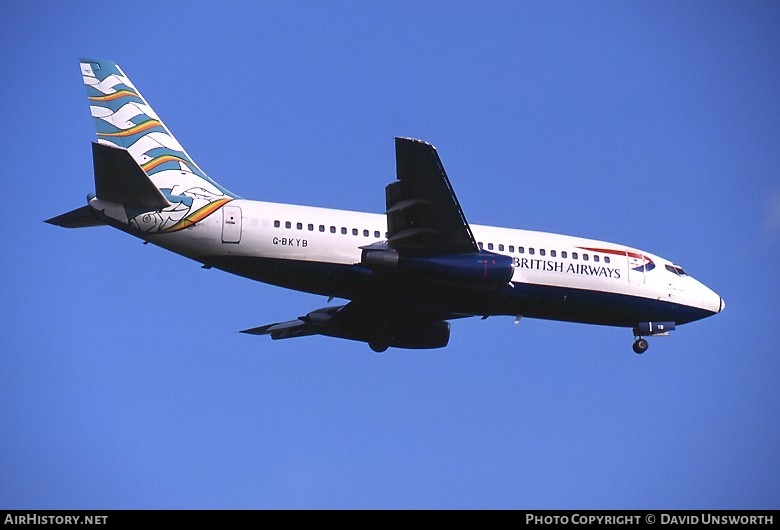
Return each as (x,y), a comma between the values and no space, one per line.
(231,224)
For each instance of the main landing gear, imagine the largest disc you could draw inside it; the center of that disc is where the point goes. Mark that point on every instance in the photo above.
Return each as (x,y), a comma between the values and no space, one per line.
(640,345)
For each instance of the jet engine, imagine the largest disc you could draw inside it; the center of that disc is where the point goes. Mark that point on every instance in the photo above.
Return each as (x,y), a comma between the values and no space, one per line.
(483,270)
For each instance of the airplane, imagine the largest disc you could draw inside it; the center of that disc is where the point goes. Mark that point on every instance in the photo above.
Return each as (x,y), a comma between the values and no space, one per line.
(405,273)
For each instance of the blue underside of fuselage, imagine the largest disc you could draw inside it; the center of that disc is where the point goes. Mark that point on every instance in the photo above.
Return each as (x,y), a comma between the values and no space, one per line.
(529,300)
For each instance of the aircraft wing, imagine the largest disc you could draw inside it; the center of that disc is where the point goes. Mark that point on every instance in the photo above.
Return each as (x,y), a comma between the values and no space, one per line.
(312,324)
(380,326)
(423,213)
(282,330)
(426,228)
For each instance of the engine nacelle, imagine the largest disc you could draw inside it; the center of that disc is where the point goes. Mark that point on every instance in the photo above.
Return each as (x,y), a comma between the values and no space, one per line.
(420,337)
(484,270)
(328,321)
(653,328)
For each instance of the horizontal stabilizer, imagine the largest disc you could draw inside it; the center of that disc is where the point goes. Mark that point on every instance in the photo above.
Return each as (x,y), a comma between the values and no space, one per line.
(119,179)
(78,218)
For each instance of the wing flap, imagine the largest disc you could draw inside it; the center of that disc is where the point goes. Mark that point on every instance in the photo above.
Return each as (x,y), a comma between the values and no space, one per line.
(282,330)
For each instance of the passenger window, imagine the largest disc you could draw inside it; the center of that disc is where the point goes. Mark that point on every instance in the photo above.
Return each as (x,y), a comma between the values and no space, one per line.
(606,259)
(511,248)
(354,231)
(299,226)
(501,248)
(287,224)
(322,228)
(490,246)
(596,258)
(531,251)
(277,224)
(332,229)
(520,250)
(343,230)
(585,257)
(365,233)
(574,255)
(541,252)
(481,247)
(564,254)
(376,234)
(553,253)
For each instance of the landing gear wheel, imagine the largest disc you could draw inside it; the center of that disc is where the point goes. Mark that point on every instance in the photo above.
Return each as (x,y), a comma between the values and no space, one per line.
(640,346)
(378,347)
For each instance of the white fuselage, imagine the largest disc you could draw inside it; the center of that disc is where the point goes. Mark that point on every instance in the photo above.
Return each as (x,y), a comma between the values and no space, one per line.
(259,229)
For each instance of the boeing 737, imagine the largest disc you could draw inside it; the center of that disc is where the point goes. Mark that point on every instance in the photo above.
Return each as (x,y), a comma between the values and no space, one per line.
(404,273)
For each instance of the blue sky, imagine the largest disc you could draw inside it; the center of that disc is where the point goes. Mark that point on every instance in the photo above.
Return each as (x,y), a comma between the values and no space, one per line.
(123,383)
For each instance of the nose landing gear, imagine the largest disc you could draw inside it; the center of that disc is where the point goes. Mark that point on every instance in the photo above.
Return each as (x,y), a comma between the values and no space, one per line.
(652,329)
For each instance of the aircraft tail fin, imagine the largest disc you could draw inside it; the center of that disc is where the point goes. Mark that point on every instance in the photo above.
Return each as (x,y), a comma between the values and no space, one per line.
(123,118)
(138,162)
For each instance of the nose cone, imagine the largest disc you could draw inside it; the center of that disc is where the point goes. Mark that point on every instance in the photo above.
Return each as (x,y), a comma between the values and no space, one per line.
(710,300)
(713,302)
(696,300)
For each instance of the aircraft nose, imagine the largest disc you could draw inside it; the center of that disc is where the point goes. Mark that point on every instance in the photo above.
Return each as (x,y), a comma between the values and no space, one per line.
(710,300)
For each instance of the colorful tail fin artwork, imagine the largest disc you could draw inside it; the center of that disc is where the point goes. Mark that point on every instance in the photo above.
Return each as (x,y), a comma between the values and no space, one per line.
(124,120)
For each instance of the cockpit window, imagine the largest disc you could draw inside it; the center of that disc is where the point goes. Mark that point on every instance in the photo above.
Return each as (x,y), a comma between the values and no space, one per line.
(676,269)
